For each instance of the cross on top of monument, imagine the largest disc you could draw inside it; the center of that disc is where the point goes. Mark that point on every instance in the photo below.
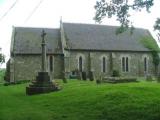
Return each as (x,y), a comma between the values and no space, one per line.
(43,34)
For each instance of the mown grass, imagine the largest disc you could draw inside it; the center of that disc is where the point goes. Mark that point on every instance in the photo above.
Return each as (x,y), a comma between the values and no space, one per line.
(83,100)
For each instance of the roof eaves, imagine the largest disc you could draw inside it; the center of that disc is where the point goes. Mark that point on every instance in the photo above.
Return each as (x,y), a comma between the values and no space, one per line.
(107,50)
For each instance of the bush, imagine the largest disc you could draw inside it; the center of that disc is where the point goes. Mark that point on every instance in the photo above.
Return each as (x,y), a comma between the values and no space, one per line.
(115,73)
(64,80)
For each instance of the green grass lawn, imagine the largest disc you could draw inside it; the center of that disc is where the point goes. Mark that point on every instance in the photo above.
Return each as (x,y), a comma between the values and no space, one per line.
(83,100)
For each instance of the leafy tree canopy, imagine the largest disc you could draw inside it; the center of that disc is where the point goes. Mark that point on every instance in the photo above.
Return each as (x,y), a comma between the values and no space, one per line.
(121,9)
(151,44)
(157,24)
(2,58)
(157,27)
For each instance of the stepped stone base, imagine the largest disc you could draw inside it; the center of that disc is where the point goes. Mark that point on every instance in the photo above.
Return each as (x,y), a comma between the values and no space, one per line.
(42,84)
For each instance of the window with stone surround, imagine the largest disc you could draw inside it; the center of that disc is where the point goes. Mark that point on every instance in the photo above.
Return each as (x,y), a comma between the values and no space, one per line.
(80,64)
(125,64)
(145,60)
(145,64)
(51,63)
(103,59)
(80,58)
(104,64)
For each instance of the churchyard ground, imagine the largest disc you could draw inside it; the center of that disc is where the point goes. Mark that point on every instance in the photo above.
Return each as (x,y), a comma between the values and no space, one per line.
(83,100)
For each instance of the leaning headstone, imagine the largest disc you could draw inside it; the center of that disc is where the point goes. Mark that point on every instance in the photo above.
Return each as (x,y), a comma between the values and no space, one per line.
(42,84)
(84,76)
(79,75)
(99,80)
(91,76)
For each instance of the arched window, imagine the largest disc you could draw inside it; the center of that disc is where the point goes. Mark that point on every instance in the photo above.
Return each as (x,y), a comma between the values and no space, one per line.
(103,61)
(127,69)
(145,64)
(80,64)
(125,64)
(104,64)
(51,63)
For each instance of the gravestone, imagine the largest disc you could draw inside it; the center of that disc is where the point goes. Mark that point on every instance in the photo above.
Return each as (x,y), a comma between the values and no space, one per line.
(91,76)
(84,76)
(79,75)
(42,84)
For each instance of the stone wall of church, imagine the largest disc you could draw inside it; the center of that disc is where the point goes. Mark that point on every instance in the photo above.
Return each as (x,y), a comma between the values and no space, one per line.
(58,66)
(26,67)
(136,62)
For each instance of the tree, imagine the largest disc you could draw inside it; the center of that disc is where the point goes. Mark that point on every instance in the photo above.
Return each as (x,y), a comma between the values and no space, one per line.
(121,9)
(157,24)
(157,27)
(2,58)
(151,44)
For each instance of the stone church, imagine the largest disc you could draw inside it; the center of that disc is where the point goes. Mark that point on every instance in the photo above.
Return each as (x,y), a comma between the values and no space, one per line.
(78,47)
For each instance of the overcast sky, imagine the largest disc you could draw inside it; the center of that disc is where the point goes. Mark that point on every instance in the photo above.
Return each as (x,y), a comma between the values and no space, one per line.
(49,12)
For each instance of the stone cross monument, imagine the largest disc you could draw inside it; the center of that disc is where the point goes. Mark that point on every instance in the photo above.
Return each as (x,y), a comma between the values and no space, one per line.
(42,84)
(43,51)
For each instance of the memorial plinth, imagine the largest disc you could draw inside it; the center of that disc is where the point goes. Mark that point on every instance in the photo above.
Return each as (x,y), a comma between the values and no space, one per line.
(42,84)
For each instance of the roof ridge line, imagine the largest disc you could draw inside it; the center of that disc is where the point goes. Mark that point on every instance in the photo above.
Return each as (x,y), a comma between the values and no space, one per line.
(104,25)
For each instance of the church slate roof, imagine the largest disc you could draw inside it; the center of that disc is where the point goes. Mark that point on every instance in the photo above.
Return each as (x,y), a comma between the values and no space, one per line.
(28,40)
(78,37)
(101,37)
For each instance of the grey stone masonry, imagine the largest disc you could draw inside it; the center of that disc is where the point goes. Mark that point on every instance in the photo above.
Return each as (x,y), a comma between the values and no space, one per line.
(43,52)
(135,63)
(93,49)
(42,84)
